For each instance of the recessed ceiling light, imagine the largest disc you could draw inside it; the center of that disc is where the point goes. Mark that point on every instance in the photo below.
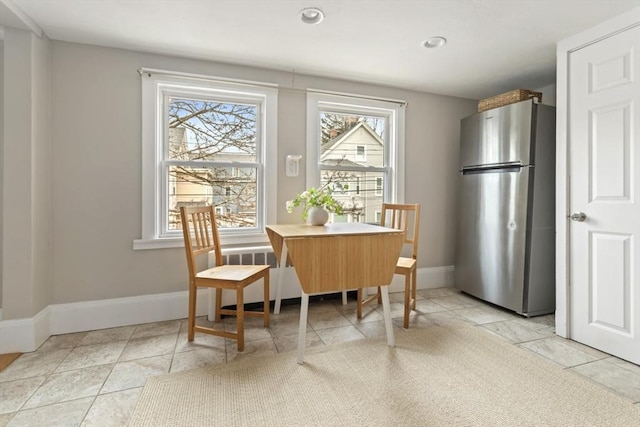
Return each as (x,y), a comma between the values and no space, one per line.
(434,42)
(311,15)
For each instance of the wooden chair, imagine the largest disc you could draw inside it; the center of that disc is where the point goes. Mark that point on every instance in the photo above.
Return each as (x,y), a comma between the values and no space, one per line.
(200,238)
(407,218)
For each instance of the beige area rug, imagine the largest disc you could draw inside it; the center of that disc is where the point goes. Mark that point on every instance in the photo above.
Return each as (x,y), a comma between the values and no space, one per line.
(439,376)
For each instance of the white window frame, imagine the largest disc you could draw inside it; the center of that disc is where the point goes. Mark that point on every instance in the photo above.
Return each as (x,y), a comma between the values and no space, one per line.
(363,157)
(393,110)
(157,83)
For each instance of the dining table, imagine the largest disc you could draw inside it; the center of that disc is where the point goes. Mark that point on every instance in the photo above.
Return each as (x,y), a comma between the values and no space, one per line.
(336,257)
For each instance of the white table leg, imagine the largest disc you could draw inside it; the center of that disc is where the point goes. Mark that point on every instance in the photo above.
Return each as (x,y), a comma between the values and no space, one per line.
(281,266)
(302,331)
(391,340)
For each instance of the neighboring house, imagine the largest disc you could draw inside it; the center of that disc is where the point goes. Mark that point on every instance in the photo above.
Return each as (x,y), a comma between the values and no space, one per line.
(359,191)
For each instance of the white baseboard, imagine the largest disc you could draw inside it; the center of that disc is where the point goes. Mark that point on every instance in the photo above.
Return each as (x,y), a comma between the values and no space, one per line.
(92,315)
(430,278)
(433,277)
(24,335)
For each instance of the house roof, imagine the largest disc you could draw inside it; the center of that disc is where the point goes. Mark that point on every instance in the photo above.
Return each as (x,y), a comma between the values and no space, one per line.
(331,145)
(340,162)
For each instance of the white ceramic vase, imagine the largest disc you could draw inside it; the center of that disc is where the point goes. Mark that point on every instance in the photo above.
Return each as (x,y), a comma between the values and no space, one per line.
(317,216)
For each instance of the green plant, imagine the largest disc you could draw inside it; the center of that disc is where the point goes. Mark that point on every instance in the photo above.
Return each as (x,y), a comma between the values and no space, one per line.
(313,197)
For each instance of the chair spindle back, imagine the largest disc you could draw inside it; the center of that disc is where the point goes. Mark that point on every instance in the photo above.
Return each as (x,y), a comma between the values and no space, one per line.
(406,218)
(200,234)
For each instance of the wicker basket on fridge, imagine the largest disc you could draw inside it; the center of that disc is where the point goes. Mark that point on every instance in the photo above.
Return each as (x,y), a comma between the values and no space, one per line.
(507,98)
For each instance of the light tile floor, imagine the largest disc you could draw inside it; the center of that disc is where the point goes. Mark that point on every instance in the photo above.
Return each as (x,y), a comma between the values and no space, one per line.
(95,378)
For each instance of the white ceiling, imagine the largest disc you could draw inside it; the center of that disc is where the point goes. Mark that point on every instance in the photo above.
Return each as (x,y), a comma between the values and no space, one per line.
(493,45)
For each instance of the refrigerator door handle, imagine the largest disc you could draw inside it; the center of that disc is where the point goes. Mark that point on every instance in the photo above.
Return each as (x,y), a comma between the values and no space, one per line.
(493,167)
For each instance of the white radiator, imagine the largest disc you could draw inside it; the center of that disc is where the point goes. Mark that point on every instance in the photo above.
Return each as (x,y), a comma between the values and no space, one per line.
(257,255)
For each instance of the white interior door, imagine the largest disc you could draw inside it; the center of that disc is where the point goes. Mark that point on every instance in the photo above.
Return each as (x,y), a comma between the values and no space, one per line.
(604,185)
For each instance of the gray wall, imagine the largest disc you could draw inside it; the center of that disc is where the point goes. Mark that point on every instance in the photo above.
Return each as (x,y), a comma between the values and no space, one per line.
(548,94)
(26,213)
(95,171)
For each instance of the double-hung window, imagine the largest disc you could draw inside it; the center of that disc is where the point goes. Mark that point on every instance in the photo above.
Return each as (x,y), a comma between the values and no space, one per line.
(355,147)
(206,142)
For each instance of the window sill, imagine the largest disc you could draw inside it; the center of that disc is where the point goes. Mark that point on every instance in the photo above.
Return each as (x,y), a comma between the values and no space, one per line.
(178,242)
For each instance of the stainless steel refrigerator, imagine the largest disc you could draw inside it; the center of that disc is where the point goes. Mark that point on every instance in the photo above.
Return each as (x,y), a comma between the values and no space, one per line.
(505,252)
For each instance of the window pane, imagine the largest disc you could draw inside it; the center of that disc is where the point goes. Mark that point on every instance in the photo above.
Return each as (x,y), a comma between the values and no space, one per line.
(359,192)
(351,139)
(209,130)
(231,190)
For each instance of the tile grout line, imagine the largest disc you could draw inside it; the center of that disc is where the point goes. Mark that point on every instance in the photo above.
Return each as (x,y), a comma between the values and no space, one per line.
(228,351)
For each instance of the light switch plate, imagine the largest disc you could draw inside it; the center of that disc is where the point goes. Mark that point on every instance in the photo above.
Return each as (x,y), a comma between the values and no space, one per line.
(292,164)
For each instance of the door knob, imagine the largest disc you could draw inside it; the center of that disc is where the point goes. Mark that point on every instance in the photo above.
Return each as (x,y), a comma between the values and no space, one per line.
(578,216)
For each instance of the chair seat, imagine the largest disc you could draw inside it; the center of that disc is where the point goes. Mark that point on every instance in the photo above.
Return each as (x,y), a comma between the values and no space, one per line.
(405,263)
(231,273)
